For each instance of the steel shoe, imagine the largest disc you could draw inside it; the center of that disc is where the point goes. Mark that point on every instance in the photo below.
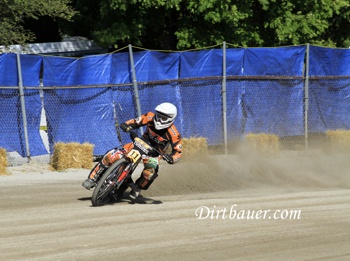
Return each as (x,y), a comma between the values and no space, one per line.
(134,194)
(88,184)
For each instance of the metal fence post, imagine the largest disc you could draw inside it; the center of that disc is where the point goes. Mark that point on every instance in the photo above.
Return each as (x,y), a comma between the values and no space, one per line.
(22,100)
(223,92)
(134,81)
(306,96)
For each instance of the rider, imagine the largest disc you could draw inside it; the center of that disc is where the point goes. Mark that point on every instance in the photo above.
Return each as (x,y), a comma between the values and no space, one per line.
(160,132)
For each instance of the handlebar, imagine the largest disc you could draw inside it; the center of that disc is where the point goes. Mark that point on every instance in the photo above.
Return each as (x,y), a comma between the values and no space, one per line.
(133,135)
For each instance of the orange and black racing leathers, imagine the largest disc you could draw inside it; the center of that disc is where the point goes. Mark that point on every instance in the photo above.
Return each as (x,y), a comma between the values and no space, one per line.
(159,139)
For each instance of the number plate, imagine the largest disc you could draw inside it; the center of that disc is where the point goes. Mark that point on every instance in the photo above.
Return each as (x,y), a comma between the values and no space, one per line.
(134,155)
(142,143)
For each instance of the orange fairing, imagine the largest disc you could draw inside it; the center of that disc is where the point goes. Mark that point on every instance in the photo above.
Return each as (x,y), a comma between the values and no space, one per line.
(128,146)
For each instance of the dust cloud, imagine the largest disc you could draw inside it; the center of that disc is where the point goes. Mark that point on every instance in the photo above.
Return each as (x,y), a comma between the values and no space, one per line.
(246,169)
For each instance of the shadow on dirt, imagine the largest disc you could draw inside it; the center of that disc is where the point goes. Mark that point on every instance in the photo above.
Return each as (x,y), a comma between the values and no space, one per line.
(126,199)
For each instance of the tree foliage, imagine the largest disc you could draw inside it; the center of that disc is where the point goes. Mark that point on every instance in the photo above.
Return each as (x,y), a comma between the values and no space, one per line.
(308,21)
(187,24)
(13,14)
(184,24)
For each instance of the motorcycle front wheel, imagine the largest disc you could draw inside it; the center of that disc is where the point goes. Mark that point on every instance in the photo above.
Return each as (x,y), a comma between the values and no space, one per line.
(106,186)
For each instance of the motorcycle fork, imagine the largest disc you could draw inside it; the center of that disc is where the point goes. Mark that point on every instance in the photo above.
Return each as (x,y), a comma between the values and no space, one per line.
(125,172)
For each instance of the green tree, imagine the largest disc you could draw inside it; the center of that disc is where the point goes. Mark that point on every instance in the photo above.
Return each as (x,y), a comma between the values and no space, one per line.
(148,23)
(185,24)
(14,13)
(324,22)
(166,24)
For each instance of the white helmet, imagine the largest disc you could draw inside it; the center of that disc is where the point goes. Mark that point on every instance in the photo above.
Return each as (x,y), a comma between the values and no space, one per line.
(165,115)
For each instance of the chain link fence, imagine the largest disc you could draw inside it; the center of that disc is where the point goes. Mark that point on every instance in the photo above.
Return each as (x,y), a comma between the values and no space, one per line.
(296,109)
(253,105)
(328,107)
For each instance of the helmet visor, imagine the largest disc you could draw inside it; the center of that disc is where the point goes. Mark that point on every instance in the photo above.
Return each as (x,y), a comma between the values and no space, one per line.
(162,118)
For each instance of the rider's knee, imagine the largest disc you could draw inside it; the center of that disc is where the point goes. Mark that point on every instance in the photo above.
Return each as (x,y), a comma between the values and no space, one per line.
(150,167)
(144,183)
(148,173)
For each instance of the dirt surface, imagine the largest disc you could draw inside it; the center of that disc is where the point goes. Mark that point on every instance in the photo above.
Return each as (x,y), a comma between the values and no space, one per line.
(292,206)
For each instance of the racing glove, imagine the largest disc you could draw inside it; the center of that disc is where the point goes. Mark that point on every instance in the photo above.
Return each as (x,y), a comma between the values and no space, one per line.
(168,158)
(125,127)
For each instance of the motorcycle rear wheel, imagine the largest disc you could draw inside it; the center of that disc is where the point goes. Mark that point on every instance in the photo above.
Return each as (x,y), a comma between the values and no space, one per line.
(105,187)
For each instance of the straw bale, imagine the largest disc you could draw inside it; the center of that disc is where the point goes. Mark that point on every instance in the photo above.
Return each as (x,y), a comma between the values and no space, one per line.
(72,155)
(194,148)
(3,162)
(339,139)
(263,143)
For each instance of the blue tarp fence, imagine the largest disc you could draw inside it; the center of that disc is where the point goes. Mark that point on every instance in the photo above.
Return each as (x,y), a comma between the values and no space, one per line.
(329,97)
(84,98)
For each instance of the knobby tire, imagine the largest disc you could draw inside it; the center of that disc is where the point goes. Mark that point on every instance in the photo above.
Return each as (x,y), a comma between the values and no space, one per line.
(103,191)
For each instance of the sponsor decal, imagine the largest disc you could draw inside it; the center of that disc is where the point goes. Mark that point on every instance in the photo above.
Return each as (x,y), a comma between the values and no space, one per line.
(173,131)
(141,147)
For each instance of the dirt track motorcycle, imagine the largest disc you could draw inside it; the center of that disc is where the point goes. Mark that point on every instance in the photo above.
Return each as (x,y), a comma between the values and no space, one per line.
(117,178)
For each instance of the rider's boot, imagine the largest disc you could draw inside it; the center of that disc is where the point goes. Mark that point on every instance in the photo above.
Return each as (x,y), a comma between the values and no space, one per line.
(143,182)
(95,173)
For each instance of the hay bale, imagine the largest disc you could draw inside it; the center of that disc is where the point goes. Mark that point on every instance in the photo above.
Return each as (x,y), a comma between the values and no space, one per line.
(263,143)
(194,148)
(3,162)
(72,155)
(339,139)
